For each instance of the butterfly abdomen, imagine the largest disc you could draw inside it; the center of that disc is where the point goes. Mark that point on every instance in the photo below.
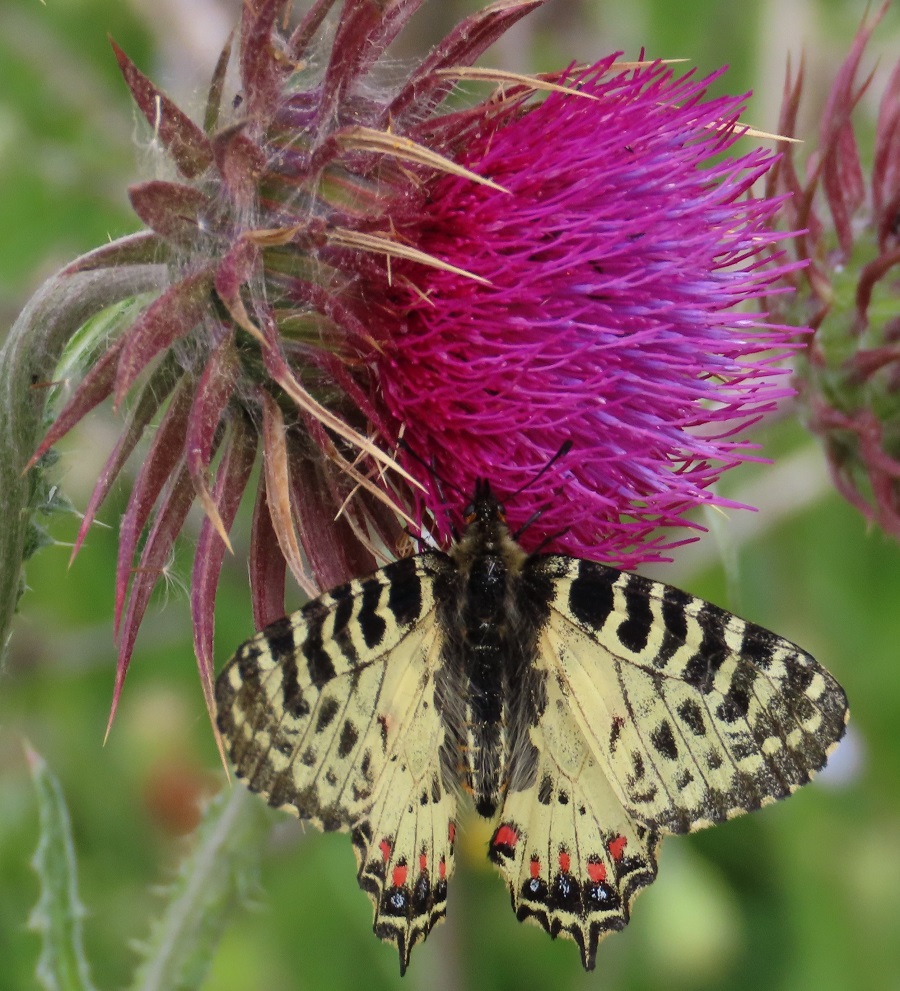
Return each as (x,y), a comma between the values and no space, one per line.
(492,652)
(484,647)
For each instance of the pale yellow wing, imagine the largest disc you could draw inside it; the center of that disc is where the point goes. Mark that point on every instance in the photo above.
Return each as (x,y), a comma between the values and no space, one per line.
(331,713)
(404,842)
(693,714)
(572,856)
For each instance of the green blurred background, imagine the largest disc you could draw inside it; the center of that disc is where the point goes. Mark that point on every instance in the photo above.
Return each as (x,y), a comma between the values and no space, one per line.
(802,895)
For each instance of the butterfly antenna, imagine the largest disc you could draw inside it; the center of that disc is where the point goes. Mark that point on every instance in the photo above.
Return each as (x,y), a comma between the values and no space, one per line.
(564,449)
(548,539)
(431,469)
(535,516)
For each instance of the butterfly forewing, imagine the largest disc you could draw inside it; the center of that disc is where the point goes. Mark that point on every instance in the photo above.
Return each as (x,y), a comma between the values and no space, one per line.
(694,714)
(297,702)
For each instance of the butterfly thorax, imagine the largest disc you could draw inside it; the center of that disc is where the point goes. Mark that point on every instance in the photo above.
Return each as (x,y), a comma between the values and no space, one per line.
(491,649)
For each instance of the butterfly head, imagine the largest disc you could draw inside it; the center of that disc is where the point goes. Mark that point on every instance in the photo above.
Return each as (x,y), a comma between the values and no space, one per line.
(485,509)
(486,532)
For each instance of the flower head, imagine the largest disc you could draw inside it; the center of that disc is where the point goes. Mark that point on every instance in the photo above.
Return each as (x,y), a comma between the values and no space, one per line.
(850,379)
(350,267)
(613,257)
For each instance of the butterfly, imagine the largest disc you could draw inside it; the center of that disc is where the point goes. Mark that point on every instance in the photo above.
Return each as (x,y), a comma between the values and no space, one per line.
(586,711)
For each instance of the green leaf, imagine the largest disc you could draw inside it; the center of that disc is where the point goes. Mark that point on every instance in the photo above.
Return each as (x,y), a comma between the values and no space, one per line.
(62,965)
(212,881)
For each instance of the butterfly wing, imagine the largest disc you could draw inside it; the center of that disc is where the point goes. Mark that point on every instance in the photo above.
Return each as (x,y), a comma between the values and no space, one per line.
(694,715)
(404,841)
(656,712)
(573,858)
(331,713)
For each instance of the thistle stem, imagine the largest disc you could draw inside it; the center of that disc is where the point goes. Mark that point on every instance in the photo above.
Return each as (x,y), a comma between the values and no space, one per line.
(212,881)
(27,362)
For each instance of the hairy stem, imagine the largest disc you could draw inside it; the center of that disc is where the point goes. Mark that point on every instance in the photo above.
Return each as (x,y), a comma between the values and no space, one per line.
(27,362)
(211,883)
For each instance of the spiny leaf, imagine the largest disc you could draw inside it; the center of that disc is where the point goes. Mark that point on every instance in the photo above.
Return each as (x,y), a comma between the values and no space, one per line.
(268,568)
(153,395)
(93,389)
(261,72)
(468,40)
(167,524)
(306,29)
(208,411)
(276,467)
(142,248)
(159,465)
(333,547)
(217,85)
(234,270)
(169,318)
(364,32)
(62,965)
(241,162)
(175,211)
(231,481)
(214,878)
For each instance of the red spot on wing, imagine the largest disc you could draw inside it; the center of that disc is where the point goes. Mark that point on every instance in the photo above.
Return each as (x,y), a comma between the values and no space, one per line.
(616,847)
(398,876)
(451,832)
(383,722)
(535,867)
(385,847)
(506,836)
(596,871)
(442,869)
(565,861)
(423,862)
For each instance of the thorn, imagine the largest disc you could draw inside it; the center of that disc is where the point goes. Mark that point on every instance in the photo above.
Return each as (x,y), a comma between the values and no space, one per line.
(212,512)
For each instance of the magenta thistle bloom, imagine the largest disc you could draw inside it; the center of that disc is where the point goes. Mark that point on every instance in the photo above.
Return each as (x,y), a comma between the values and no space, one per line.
(349,267)
(850,379)
(615,256)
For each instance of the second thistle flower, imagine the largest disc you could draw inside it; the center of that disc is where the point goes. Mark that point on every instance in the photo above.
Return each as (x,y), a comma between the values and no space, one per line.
(849,292)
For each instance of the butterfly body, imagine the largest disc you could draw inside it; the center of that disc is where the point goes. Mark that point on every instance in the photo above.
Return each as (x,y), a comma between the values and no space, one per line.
(587,710)
(487,661)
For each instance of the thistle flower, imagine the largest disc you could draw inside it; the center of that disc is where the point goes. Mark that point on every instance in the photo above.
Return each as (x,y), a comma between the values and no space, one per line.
(351,265)
(615,255)
(850,378)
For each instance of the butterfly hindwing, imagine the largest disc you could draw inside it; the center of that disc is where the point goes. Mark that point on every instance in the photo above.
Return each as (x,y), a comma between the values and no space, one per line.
(404,843)
(694,714)
(331,714)
(573,858)
(658,713)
